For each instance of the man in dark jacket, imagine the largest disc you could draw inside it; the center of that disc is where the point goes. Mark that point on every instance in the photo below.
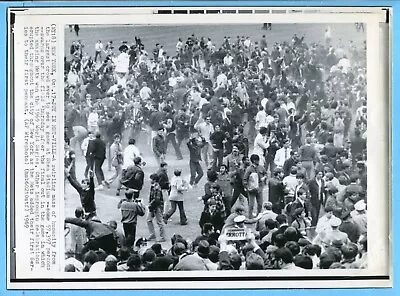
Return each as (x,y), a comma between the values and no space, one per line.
(159,145)
(133,177)
(86,192)
(101,236)
(276,191)
(182,126)
(164,180)
(97,150)
(217,139)
(195,144)
(317,193)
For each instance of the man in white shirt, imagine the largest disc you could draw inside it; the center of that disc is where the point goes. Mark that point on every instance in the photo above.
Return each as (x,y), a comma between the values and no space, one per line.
(84,147)
(228,59)
(290,181)
(247,43)
(130,153)
(222,80)
(98,48)
(261,118)
(172,81)
(72,78)
(260,144)
(205,129)
(93,121)
(179,46)
(283,154)
(264,102)
(209,43)
(145,92)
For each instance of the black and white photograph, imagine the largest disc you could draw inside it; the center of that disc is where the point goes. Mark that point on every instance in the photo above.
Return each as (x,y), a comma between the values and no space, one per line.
(215,147)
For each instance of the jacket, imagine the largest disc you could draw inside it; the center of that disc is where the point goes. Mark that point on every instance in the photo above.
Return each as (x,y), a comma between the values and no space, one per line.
(250,170)
(195,149)
(97,149)
(94,229)
(130,210)
(164,181)
(86,196)
(317,197)
(133,177)
(156,199)
(159,145)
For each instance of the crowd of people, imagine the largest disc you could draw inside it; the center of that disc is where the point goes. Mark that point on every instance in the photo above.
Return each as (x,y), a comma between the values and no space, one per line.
(279,129)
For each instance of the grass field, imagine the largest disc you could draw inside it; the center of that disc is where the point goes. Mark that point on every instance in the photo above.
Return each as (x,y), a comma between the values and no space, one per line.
(168,35)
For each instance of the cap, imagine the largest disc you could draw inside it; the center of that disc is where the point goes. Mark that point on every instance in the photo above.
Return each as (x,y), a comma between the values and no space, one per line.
(335,222)
(239,219)
(360,205)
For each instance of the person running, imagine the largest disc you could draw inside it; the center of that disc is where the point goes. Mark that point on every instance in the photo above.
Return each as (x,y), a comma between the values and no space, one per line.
(176,197)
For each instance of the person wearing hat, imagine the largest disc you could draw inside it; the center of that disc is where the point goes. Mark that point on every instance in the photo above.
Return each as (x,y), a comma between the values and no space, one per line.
(335,234)
(238,210)
(359,215)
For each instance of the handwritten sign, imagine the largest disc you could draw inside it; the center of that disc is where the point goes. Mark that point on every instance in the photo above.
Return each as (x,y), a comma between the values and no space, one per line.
(236,234)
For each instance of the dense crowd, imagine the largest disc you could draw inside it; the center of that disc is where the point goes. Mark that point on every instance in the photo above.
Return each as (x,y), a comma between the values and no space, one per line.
(280,130)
